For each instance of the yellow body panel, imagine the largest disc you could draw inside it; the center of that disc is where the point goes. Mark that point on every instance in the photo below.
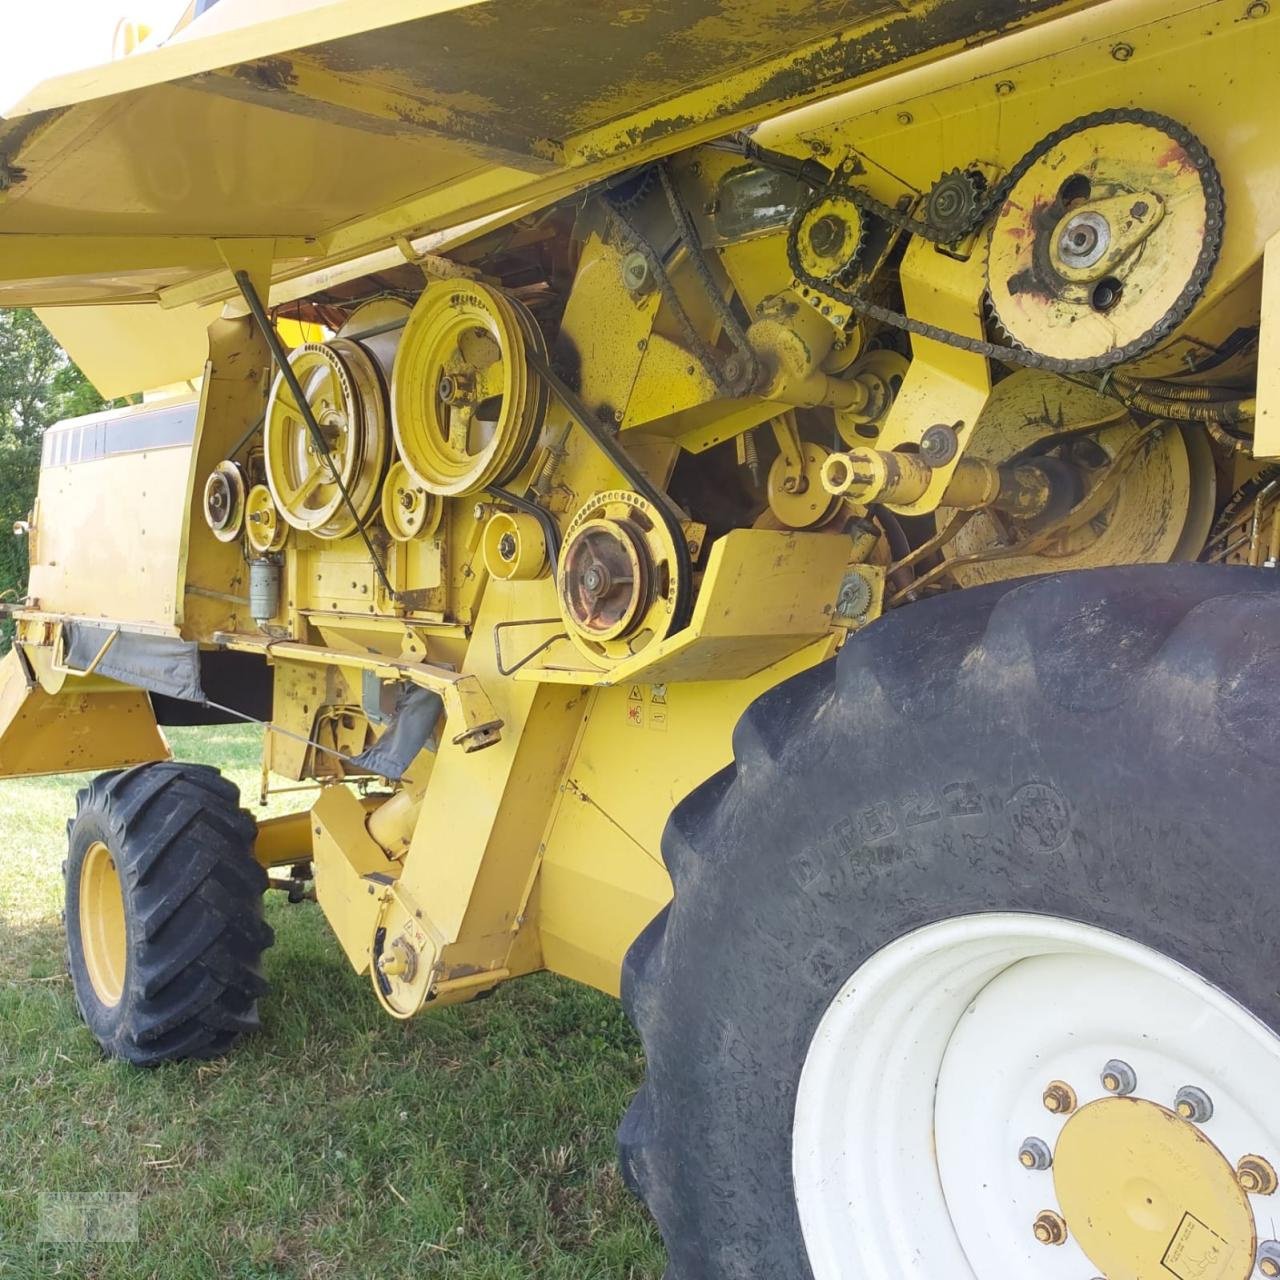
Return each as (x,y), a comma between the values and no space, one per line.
(76,729)
(108,536)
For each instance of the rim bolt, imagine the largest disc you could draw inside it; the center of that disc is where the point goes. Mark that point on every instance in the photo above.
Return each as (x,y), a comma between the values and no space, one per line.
(1192,1103)
(1269,1258)
(1060,1098)
(1119,1077)
(1256,1176)
(1034,1154)
(1049,1228)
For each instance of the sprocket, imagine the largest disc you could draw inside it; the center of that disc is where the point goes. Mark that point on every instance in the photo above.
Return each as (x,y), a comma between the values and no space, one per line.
(1196,158)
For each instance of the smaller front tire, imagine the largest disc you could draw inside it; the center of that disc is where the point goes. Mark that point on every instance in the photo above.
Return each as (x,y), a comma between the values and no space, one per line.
(165,931)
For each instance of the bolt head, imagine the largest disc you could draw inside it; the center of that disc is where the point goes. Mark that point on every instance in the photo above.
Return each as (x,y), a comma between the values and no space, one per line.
(1119,1077)
(1059,1098)
(1035,1154)
(939,445)
(1194,1104)
(1256,1176)
(1049,1228)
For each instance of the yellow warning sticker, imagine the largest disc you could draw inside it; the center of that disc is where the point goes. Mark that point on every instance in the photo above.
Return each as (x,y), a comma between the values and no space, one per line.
(1197,1252)
(635,694)
(635,714)
(658,718)
(658,694)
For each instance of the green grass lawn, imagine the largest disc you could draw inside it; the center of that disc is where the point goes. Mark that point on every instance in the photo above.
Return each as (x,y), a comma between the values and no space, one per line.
(476,1142)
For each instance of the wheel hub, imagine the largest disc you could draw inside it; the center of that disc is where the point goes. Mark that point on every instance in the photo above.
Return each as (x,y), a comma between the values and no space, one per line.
(954,1118)
(1146,1194)
(102,924)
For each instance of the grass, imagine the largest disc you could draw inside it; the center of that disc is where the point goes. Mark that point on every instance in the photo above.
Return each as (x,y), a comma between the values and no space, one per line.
(476,1142)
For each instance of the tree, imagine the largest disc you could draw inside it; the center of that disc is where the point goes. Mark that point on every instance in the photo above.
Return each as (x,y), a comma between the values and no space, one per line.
(38,386)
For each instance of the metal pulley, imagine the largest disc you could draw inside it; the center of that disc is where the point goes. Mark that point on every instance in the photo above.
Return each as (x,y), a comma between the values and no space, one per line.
(408,510)
(466,407)
(224,498)
(264,530)
(618,578)
(515,548)
(346,392)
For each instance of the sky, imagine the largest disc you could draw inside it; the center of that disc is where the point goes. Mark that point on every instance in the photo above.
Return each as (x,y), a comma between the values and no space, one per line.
(46,37)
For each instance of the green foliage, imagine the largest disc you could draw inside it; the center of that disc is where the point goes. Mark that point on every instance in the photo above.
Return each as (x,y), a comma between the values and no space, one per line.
(38,386)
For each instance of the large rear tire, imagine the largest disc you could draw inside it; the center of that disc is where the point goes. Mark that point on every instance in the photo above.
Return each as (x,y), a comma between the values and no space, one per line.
(165,933)
(1009,836)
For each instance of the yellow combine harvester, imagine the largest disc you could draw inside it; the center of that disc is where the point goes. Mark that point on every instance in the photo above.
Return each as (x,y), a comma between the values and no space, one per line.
(812,457)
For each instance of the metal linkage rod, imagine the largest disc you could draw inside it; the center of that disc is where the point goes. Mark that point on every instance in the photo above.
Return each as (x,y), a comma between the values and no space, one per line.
(280,356)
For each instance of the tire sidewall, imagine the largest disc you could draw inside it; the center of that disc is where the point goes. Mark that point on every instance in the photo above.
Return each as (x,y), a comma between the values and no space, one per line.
(1011,788)
(105,1021)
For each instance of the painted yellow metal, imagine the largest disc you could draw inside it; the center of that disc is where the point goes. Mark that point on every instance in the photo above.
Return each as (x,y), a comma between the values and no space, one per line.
(1266,441)
(283,840)
(1146,1193)
(1057,208)
(82,725)
(103,933)
(1161,512)
(130,569)
(351,871)
(122,350)
(642,748)
(312,488)
(362,89)
(465,403)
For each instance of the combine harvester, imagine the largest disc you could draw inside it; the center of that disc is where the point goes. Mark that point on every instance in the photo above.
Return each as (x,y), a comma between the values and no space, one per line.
(763,507)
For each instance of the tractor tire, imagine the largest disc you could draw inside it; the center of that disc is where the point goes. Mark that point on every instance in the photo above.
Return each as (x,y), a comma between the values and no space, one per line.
(1009,838)
(165,931)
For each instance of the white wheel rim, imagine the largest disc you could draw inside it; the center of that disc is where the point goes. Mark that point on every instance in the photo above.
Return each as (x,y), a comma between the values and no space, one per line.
(945,1040)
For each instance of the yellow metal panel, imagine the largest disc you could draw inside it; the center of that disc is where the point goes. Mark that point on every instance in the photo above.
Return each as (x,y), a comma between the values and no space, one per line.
(122,350)
(1266,440)
(283,840)
(350,124)
(108,531)
(72,730)
(765,594)
(643,749)
(345,855)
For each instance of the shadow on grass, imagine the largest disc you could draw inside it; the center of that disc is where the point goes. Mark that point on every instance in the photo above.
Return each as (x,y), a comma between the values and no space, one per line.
(475,1142)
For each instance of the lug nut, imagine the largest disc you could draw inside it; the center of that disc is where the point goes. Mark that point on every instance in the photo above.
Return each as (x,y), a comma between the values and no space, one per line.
(1269,1258)
(1060,1098)
(1192,1103)
(1049,1228)
(1034,1154)
(1256,1176)
(1119,1077)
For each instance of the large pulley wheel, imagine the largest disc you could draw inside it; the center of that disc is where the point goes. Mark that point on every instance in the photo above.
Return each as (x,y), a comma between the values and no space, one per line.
(347,396)
(618,578)
(1107,240)
(1158,505)
(466,406)
(968,970)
